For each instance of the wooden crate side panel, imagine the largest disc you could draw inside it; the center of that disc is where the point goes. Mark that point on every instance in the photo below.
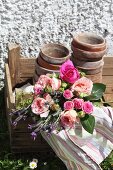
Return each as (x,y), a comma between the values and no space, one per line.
(108,81)
(8,87)
(108,62)
(109,98)
(14,60)
(107,71)
(9,98)
(22,126)
(27,69)
(108,66)
(32,149)
(26,139)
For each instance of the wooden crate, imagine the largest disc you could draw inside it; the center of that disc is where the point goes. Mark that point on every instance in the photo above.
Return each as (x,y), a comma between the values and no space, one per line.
(18,70)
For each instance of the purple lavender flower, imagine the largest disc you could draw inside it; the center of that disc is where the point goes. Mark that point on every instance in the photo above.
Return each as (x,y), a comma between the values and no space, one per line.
(14,123)
(34,135)
(29,126)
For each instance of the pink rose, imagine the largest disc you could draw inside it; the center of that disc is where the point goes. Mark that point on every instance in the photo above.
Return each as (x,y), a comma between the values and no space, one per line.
(78,103)
(68,72)
(37,89)
(40,107)
(43,80)
(48,98)
(83,85)
(68,118)
(54,83)
(68,94)
(68,105)
(87,107)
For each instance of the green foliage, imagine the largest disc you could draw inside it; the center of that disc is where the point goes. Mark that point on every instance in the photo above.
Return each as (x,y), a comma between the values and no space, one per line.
(23,100)
(97,92)
(88,123)
(107,164)
(7,164)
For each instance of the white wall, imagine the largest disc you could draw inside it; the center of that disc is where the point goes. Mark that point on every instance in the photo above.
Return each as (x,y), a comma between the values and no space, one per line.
(35,22)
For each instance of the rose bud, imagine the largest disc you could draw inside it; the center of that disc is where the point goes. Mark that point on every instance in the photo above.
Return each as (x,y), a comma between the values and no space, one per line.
(81,114)
(64,85)
(48,89)
(55,107)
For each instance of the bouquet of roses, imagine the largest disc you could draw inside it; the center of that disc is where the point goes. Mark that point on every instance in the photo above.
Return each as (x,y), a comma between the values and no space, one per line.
(63,100)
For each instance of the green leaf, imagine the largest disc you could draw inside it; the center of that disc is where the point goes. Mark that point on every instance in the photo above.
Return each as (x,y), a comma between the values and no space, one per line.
(97,91)
(88,123)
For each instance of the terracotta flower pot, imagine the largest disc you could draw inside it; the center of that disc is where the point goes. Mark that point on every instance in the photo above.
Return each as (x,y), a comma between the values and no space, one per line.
(35,77)
(47,65)
(54,53)
(96,78)
(41,70)
(86,64)
(88,51)
(89,42)
(92,70)
(86,55)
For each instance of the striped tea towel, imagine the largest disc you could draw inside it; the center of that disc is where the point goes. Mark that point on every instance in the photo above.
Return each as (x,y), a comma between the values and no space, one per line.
(80,150)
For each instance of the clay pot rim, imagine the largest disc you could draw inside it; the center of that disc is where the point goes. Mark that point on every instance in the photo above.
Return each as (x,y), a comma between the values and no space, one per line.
(38,65)
(84,68)
(76,38)
(55,44)
(46,64)
(88,52)
(86,48)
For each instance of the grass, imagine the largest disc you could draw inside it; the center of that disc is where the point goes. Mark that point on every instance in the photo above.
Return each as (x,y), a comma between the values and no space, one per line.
(10,161)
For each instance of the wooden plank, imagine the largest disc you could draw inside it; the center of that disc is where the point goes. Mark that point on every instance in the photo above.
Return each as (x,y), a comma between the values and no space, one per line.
(13,60)
(27,67)
(107,71)
(40,150)
(22,126)
(25,139)
(9,98)
(8,87)
(109,98)
(108,66)
(108,81)
(108,62)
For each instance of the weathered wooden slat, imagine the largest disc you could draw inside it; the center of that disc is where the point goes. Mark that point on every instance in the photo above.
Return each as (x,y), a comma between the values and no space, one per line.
(108,62)
(13,60)
(107,71)
(27,67)
(109,98)
(23,137)
(108,81)
(41,151)
(8,87)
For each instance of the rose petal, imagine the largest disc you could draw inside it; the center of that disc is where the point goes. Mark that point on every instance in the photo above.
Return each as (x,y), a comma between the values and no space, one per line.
(45,114)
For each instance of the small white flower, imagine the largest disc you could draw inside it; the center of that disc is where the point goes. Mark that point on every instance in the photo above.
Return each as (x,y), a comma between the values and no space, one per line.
(45,163)
(33,164)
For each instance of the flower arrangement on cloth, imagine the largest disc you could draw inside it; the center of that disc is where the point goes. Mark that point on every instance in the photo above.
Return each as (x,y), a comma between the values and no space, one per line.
(63,100)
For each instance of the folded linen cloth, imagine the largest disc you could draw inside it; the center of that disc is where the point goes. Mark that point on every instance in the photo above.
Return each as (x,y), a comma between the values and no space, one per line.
(80,150)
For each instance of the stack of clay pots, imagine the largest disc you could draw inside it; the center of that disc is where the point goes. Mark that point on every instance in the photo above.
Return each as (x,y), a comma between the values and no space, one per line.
(87,54)
(50,59)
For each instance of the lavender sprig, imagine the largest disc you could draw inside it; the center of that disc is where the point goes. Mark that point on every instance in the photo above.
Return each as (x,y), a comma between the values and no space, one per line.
(21,115)
(20,111)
